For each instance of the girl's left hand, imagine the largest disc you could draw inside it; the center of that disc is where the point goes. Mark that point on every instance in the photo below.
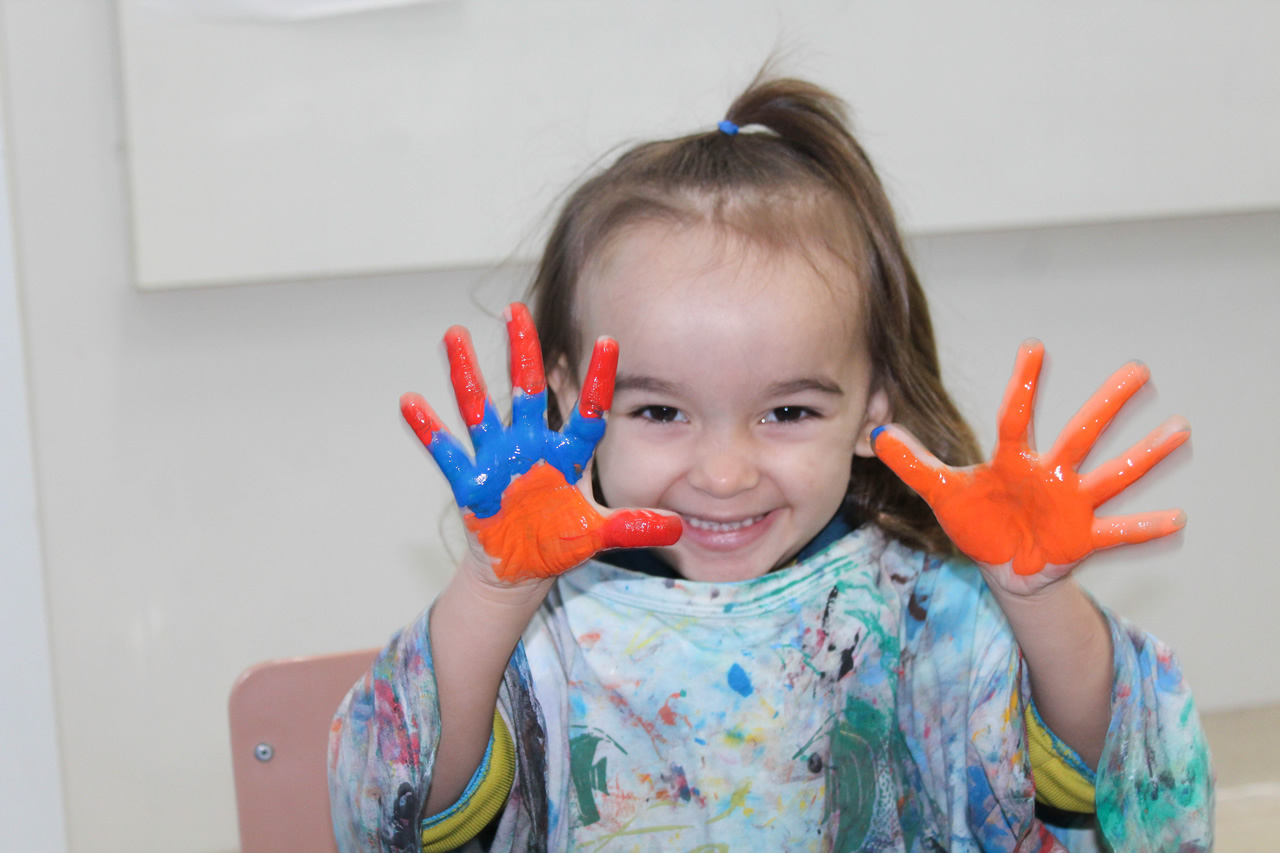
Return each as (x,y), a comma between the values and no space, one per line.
(1027,518)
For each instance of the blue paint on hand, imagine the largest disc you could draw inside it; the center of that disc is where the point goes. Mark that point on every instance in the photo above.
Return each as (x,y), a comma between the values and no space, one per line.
(504,453)
(739,681)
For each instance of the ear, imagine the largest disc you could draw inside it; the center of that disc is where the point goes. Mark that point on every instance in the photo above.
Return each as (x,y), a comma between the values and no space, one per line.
(877,415)
(565,389)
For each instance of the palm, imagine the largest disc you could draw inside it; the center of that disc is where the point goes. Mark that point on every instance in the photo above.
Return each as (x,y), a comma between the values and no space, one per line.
(1025,514)
(517,493)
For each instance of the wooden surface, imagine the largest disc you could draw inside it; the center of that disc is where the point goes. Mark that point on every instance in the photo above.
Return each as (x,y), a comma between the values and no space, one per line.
(1246,757)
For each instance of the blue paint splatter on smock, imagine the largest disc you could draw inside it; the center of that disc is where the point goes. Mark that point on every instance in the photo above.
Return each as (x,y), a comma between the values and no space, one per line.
(738,680)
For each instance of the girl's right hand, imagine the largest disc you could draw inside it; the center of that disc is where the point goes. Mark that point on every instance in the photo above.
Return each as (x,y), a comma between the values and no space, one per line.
(526,520)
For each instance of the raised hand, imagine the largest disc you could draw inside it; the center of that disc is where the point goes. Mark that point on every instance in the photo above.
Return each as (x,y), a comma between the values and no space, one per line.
(1035,511)
(517,494)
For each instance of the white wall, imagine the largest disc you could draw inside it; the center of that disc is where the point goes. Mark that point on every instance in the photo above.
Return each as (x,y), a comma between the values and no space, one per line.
(378,136)
(31,782)
(223,478)
(1198,301)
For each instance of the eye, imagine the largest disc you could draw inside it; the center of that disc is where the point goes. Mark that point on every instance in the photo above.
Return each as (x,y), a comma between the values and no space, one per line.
(659,414)
(788,414)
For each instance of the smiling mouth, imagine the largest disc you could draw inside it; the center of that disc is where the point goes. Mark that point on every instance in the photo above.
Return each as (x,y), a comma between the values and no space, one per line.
(722,526)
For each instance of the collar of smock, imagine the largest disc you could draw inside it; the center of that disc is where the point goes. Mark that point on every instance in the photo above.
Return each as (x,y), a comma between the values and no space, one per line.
(784,588)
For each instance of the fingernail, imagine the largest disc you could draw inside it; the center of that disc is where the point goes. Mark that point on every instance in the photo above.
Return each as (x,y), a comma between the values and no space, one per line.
(875,433)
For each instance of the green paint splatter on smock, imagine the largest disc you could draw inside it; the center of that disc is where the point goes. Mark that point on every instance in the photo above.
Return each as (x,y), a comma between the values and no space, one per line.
(588,775)
(856,741)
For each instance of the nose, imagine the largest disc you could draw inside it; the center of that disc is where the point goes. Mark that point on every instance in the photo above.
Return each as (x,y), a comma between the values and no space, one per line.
(724,465)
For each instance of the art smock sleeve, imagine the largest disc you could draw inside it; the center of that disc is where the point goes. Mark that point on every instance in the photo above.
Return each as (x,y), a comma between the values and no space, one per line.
(1154,785)
(382,747)
(963,701)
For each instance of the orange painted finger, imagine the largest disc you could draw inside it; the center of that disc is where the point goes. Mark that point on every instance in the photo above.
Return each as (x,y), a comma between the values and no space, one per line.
(1139,527)
(527,373)
(1020,394)
(464,372)
(912,462)
(1081,432)
(448,453)
(597,388)
(1115,475)
(638,528)
(421,417)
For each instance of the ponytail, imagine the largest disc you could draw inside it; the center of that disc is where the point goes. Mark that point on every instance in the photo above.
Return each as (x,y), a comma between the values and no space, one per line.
(795,178)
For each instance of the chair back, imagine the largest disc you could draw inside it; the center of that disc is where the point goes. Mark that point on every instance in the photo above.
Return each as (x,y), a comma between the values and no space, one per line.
(281,712)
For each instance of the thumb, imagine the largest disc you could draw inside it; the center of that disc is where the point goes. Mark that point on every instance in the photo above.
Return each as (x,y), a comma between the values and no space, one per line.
(640,528)
(897,448)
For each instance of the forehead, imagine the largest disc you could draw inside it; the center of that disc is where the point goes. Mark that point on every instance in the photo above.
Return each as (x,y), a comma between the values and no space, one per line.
(707,293)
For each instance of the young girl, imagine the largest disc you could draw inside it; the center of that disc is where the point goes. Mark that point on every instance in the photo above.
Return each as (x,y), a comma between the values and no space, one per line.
(794,654)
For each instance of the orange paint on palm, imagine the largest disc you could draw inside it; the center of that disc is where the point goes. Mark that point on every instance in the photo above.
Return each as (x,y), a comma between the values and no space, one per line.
(1016,510)
(546,527)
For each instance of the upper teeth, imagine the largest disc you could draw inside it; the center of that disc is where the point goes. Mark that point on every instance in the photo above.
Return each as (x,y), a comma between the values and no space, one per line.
(722,526)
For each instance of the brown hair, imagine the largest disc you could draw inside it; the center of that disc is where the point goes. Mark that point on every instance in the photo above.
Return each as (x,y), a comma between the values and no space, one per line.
(795,177)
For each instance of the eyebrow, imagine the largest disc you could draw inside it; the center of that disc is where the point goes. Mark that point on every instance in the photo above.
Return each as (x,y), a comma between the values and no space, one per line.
(807,383)
(632,382)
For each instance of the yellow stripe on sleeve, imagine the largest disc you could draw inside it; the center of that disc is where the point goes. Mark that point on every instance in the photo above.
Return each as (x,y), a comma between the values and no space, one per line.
(1062,779)
(484,797)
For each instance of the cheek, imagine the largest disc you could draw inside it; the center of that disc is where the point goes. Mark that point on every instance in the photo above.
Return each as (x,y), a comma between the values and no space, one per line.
(819,473)
(630,472)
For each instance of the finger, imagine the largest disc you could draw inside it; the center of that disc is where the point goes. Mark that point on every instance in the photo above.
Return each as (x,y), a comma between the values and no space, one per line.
(1140,527)
(1115,475)
(597,389)
(528,380)
(449,454)
(641,528)
(1081,432)
(586,422)
(913,464)
(469,389)
(527,373)
(464,372)
(1020,395)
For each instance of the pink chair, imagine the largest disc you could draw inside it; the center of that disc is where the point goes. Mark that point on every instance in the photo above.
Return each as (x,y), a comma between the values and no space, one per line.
(280,714)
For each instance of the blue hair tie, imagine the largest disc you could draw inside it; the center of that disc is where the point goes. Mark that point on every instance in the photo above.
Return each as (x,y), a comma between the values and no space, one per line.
(728,128)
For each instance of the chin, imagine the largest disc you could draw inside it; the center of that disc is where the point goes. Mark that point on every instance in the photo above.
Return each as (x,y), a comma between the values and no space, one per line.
(719,571)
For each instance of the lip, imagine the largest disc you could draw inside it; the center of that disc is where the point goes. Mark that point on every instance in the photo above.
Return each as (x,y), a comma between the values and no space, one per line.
(715,534)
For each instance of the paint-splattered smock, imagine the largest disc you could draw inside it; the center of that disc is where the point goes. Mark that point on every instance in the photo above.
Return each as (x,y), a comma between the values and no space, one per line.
(867,698)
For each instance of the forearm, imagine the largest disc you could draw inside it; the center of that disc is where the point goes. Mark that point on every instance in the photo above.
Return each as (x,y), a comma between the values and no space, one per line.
(1066,643)
(474,629)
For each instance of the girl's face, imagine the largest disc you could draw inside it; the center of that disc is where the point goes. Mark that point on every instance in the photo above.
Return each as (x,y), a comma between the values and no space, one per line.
(742,392)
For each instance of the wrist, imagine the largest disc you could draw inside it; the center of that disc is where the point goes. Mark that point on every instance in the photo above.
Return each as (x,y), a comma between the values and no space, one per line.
(1062,604)
(1052,594)
(1057,624)
(1066,645)
(474,584)
(477,624)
